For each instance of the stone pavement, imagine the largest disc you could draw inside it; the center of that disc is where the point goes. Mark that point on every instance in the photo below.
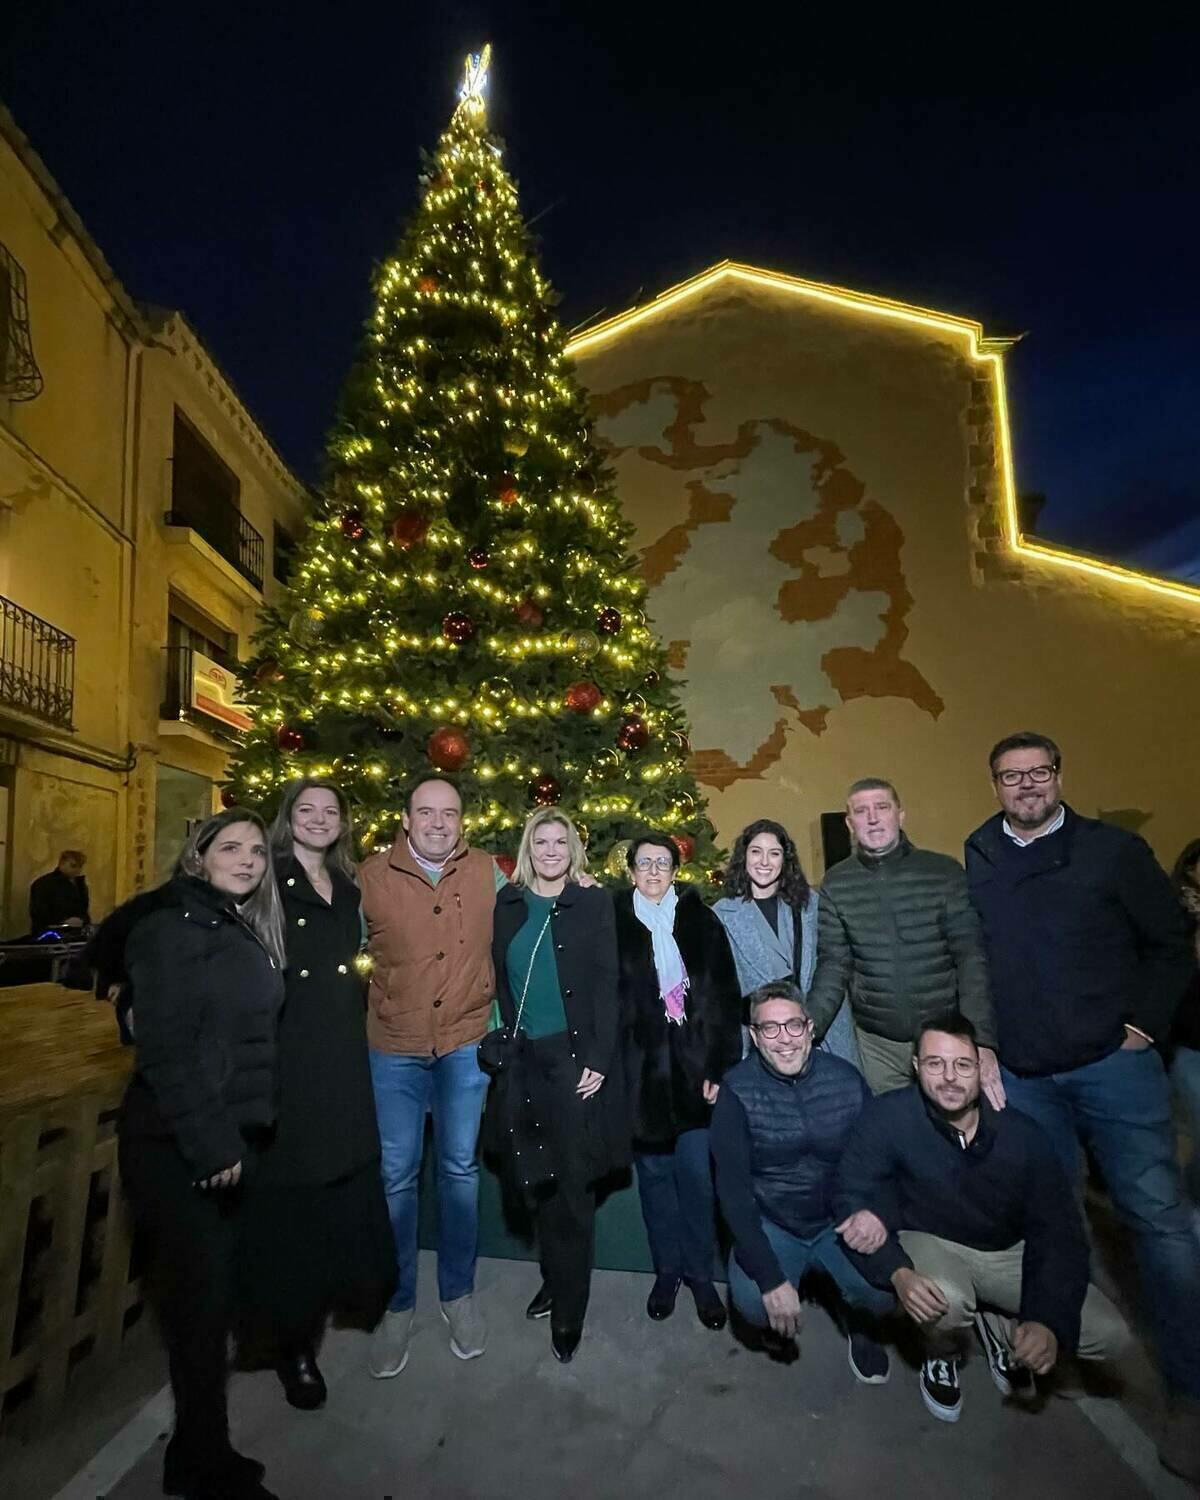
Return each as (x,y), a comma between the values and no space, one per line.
(658,1411)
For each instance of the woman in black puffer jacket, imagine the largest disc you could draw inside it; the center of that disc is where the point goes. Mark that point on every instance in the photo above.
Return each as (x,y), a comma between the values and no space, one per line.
(207,976)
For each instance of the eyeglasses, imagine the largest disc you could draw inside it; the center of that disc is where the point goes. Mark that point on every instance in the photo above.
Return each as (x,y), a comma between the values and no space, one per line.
(1039,775)
(663,862)
(771,1029)
(936,1066)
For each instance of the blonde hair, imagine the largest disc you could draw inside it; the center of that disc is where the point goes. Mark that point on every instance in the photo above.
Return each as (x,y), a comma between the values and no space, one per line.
(524,873)
(262,910)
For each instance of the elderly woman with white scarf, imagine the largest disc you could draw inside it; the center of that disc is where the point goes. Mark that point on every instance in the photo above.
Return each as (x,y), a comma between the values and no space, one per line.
(681,1008)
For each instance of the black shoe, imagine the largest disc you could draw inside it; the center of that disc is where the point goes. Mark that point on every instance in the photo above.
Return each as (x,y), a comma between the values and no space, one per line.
(232,1473)
(660,1303)
(939,1389)
(540,1306)
(1009,1378)
(564,1342)
(868,1359)
(302,1382)
(709,1307)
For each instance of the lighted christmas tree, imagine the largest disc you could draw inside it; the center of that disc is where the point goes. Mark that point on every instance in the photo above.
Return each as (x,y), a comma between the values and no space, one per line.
(465,599)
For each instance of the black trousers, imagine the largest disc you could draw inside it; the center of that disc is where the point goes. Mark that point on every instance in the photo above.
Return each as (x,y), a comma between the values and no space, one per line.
(565,1216)
(192,1241)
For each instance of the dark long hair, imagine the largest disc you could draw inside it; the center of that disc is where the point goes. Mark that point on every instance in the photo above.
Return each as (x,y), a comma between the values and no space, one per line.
(262,910)
(793,884)
(340,855)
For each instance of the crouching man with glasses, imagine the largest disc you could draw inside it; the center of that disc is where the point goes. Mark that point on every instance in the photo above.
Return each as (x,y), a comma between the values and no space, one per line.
(965,1211)
(781,1121)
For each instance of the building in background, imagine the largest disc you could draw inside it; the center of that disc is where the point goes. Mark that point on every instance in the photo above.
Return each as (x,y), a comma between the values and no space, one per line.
(822,485)
(144,520)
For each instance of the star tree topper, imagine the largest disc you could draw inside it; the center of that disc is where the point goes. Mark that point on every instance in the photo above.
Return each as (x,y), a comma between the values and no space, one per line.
(475,80)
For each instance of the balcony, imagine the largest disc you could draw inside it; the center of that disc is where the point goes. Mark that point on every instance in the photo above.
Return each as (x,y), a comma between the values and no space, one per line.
(222,525)
(37,666)
(200,698)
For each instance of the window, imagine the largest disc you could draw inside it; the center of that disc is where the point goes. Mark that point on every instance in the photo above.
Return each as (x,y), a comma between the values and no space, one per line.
(206,496)
(284,554)
(20,378)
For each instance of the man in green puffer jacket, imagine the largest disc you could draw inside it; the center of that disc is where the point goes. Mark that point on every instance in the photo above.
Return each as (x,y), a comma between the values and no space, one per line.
(897,933)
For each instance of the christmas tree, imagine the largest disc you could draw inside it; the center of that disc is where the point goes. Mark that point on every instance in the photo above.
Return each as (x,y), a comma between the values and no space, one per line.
(464,599)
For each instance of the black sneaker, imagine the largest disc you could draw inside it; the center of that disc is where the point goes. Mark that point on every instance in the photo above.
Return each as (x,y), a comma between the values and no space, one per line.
(1009,1378)
(868,1359)
(939,1389)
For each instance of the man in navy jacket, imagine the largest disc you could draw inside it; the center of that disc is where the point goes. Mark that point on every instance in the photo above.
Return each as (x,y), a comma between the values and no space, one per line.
(1089,955)
(957,1204)
(780,1123)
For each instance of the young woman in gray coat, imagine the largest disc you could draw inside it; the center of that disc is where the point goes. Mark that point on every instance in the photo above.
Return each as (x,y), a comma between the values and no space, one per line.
(769,913)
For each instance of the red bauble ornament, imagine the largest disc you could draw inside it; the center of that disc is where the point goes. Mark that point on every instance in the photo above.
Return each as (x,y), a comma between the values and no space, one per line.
(582,697)
(353,526)
(229,798)
(608,621)
(428,285)
(458,627)
(268,671)
(685,844)
(633,734)
(506,863)
(545,790)
(531,614)
(448,748)
(506,490)
(409,528)
(288,738)
(479,557)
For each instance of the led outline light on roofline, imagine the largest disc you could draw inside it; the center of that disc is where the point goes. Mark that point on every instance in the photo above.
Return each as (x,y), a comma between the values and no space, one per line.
(989,351)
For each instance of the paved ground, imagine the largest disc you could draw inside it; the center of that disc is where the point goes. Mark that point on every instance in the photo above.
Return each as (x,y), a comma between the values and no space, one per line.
(650,1410)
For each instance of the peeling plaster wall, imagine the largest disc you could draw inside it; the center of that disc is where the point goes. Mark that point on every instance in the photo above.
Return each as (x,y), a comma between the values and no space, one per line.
(805,483)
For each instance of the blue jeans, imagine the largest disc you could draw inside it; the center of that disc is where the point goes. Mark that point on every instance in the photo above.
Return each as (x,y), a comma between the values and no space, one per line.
(453,1086)
(1120,1109)
(679,1207)
(1185,1084)
(797,1258)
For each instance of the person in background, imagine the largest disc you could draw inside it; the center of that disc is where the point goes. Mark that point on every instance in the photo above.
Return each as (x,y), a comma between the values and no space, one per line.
(898,933)
(207,972)
(317,1241)
(555,953)
(682,1010)
(1090,956)
(59,899)
(1185,1038)
(780,1125)
(964,1211)
(769,913)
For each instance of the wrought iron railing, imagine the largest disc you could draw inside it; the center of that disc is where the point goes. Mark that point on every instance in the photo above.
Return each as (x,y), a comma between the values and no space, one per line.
(223,527)
(37,666)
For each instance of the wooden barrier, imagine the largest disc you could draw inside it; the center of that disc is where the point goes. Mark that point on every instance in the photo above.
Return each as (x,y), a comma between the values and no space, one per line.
(67,1289)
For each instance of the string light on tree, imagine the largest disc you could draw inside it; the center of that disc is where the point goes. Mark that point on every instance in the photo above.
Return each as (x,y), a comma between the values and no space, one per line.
(465,510)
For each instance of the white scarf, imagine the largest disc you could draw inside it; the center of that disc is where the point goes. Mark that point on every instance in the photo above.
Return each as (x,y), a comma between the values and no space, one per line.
(673,981)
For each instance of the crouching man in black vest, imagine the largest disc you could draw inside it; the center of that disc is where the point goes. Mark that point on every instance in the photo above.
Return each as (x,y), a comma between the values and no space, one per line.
(783,1115)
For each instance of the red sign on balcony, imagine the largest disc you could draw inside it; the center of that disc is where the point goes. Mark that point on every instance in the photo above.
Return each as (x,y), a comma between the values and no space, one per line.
(214,692)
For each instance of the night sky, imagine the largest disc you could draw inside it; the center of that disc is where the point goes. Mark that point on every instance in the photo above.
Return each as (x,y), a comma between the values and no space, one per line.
(248,164)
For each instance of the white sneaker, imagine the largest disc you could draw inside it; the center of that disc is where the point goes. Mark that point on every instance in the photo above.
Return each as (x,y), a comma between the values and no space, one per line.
(389,1344)
(468,1331)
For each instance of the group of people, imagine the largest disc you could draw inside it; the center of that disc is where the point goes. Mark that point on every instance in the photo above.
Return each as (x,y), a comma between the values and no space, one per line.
(889,1082)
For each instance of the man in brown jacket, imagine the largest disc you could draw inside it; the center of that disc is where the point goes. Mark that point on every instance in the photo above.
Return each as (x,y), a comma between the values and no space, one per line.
(428,904)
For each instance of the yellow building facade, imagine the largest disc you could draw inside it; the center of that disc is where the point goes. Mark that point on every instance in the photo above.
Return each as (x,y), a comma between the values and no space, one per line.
(144,517)
(822,484)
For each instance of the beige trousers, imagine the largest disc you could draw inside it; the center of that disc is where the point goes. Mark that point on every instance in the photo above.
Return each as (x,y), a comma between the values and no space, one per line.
(887,1065)
(970,1277)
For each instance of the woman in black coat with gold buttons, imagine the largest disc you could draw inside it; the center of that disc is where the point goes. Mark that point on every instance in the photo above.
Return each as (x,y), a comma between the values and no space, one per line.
(319,1241)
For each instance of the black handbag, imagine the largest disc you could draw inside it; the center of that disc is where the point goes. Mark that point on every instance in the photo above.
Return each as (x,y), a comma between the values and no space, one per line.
(503,1046)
